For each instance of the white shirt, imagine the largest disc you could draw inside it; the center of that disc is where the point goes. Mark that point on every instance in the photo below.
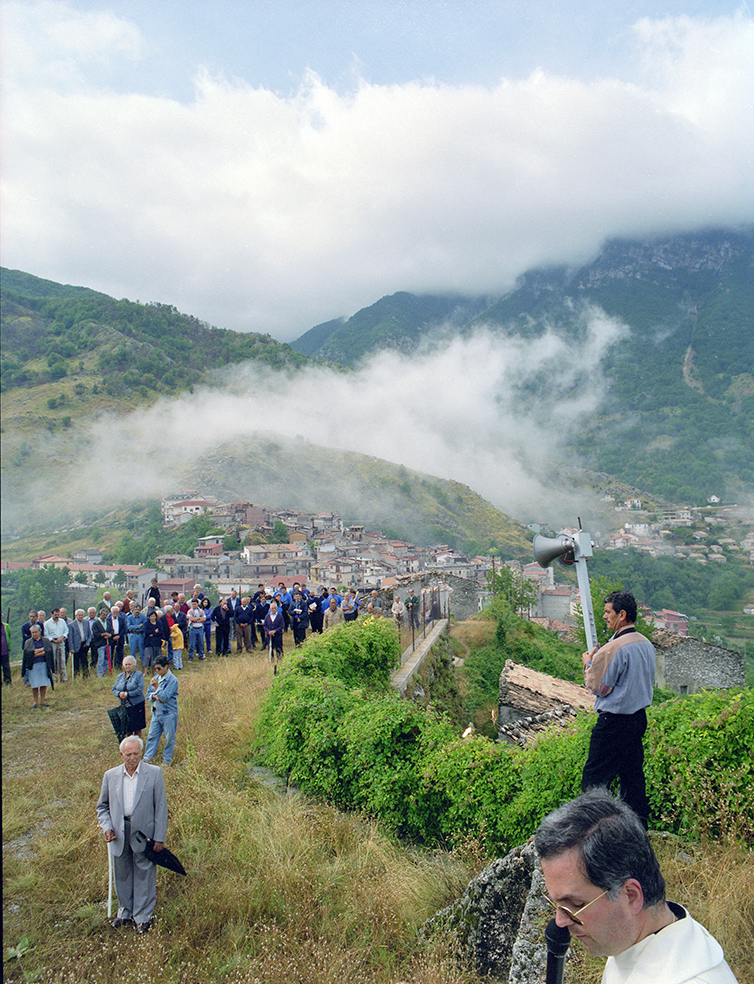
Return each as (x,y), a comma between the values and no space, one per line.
(129,790)
(681,953)
(55,628)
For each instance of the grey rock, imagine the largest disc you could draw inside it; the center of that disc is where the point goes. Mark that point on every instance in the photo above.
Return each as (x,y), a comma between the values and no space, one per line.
(497,925)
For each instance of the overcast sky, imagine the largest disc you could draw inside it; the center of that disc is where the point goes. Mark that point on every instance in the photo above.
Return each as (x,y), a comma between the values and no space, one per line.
(270,164)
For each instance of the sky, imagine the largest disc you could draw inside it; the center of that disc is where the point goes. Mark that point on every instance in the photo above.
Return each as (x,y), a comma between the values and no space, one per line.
(268,165)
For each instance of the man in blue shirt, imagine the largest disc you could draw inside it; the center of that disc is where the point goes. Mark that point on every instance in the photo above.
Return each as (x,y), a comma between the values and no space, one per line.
(621,674)
(163,693)
(135,628)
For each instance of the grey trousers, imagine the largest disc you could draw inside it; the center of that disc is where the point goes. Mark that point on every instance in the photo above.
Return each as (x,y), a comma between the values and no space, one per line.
(135,882)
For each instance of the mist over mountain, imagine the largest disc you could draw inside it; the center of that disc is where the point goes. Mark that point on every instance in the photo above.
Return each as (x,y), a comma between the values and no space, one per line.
(678,390)
(640,365)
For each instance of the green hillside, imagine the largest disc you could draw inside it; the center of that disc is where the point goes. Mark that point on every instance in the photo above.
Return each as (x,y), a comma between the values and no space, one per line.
(69,359)
(677,418)
(394,322)
(122,349)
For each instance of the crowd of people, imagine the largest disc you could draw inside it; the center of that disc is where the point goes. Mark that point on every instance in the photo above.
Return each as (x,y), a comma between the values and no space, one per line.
(603,880)
(96,640)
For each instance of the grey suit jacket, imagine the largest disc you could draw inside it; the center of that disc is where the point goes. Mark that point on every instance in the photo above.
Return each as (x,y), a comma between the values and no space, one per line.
(79,634)
(150,810)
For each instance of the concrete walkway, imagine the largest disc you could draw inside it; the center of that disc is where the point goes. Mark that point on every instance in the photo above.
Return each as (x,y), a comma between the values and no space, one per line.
(412,659)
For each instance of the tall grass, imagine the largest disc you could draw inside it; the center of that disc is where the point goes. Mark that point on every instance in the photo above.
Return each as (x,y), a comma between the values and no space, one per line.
(281,888)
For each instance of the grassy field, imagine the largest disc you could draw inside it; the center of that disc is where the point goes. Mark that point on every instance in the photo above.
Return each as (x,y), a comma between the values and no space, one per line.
(280,888)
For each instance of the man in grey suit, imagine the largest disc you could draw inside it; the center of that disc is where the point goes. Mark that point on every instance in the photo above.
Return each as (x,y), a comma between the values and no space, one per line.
(79,639)
(132,807)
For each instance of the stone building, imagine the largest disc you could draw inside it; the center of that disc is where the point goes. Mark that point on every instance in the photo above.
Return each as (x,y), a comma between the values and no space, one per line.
(686,665)
(531,702)
(460,595)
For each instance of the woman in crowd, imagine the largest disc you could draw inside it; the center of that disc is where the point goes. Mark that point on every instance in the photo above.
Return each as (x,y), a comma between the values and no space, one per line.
(273,627)
(38,666)
(129,687)
(206,607)
(153,640)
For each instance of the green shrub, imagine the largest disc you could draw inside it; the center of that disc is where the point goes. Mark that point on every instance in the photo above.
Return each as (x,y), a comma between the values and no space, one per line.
(699,764)
(381,766)
(330,723)
(359,654)
(300,727)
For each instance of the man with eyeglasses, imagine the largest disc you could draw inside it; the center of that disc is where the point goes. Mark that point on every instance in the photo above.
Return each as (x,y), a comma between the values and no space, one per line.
(605,884)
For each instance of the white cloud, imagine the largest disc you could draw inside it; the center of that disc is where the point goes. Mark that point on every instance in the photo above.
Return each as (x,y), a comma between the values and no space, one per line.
(489,412)
(52,43)
(256,211)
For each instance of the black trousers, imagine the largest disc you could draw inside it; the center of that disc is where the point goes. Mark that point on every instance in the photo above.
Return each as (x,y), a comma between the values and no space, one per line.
(222,639)
(616,751)
(81,661)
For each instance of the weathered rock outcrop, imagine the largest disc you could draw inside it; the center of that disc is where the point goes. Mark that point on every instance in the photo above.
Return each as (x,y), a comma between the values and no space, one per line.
(497,926)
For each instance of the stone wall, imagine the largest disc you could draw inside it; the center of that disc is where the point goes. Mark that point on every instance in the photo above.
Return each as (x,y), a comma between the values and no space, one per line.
(496,927)
(462,598)
(686,665)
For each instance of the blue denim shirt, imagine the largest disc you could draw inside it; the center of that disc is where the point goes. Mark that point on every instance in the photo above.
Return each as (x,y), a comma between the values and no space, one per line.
(164,696)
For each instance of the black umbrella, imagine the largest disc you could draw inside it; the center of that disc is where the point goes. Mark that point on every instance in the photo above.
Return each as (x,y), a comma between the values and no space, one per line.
(119,721)
(165,858)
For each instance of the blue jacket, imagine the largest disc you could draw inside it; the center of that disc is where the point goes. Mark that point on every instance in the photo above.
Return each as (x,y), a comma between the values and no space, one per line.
(134,686)
(135,623)
(164,696)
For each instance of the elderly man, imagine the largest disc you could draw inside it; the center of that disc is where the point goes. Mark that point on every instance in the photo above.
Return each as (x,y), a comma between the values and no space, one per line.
(79,639)
(38,666)
(195,617)
(413,608)
(101,642)
(132,808)
(56,630)
(333,615)
(135,628)
(605,884)
(621,675)
(91,618)
(117,627)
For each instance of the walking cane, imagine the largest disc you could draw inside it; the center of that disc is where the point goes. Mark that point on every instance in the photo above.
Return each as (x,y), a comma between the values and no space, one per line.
(110,883)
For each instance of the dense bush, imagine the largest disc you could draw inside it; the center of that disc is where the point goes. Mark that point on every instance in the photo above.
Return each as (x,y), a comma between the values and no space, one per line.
(699,764)
(332,725)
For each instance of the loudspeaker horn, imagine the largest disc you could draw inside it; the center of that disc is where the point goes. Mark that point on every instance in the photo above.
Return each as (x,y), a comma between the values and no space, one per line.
(548,548)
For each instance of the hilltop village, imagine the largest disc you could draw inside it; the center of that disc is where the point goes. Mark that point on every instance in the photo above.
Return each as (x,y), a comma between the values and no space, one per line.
(321,550)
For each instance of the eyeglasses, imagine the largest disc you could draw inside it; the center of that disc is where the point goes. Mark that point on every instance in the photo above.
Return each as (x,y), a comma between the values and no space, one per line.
(573,916)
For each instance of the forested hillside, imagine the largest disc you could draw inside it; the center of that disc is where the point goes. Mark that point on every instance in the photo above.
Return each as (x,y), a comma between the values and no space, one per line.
(677,419)
(122,349)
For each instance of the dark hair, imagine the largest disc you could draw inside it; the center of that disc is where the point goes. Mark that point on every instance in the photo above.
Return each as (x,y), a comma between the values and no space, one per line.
(161,661)
(623,601)
(610,838)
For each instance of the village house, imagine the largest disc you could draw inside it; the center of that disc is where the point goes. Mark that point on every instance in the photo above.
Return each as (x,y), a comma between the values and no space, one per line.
(686,665)
(531,702)
(181,511)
